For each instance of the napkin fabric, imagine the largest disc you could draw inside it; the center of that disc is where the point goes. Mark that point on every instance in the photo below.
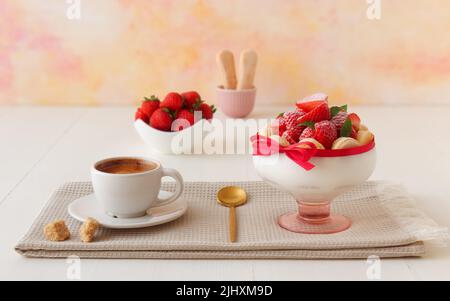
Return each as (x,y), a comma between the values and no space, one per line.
(385,224)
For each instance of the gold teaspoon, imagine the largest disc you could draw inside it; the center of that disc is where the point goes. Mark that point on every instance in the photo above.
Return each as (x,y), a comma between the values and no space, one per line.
(232,197)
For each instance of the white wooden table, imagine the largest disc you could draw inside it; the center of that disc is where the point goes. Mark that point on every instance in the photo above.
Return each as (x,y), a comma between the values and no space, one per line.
(43,147)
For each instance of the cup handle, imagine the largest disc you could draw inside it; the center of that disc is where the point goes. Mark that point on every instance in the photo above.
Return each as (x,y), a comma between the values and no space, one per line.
(169,172)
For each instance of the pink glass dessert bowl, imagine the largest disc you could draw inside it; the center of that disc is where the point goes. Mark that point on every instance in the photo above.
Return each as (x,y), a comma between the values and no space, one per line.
(334,172)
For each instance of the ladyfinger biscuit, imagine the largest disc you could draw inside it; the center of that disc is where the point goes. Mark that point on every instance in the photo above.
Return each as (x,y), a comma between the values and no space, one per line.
(225,61)
(247,69)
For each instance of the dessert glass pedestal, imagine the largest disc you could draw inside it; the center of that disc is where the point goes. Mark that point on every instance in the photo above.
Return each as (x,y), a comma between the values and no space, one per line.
(335,172)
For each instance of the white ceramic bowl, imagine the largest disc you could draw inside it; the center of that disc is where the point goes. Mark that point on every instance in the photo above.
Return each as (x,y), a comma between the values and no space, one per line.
(187,141)
(330,177)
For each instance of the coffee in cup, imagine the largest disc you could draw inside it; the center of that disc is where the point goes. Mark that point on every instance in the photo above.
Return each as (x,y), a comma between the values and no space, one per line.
(127,187)
(126,166)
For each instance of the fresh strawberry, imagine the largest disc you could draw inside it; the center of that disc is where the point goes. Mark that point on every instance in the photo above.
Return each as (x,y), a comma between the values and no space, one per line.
(173,101)
(320,113)
(324,131)
(354,133)
(316,96)
(187,115)
(292,135)
(282,122)
(207,111)
(149,105)
(303,112)
(161,119)
(290,118)
(184,119)
(279,125)
(339,120)
(356,121)
(293,131)
(309,103)
(141,115)
(192,100)
(307,133)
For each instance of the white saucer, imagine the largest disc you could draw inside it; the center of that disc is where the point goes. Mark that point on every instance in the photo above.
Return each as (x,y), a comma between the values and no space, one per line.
(88,206)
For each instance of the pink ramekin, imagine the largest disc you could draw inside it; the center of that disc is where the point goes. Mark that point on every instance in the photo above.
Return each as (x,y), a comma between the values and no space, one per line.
(236,103)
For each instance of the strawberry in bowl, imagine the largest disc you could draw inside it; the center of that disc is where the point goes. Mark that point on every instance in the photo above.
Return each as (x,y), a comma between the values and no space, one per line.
(168,125)
(315,153)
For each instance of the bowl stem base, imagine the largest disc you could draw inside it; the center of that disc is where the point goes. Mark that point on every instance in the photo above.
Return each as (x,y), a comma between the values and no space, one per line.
(314,219)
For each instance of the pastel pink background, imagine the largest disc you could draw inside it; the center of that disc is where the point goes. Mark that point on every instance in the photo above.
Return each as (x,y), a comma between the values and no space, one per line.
(121,50)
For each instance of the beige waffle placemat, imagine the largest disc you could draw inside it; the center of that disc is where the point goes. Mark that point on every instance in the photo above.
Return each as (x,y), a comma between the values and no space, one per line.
(385,223)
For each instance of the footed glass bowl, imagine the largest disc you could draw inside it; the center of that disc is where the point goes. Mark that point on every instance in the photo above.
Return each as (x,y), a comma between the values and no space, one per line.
(334,173)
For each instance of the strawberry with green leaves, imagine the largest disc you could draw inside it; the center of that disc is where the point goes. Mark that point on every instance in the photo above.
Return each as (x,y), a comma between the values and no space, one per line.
(309,103)
(161,119)
(141,115)
(149,105)
(319,113)
(183,120)
(192,100)
(356,121)
(173,101)
(313,118)
(339,119)
(293,131)
(207,111)
(278,126)
(186,115)
(160,114)
(291,118)
(347,129)
(292,135)
(324,131)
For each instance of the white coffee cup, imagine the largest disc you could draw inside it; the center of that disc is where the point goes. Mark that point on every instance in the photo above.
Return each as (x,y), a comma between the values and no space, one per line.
(127,187)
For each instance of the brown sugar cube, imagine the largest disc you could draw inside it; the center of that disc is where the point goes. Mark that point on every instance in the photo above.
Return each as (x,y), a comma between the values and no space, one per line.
(88,229)
(57,231)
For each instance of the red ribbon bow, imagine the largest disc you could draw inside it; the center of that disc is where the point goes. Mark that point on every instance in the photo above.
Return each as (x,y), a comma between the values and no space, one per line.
(264,146)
